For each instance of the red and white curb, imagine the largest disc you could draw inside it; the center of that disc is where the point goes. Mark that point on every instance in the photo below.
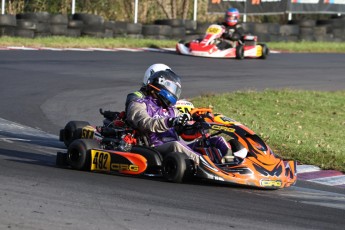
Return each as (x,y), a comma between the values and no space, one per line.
(89,49)
(326,177)
(162,50)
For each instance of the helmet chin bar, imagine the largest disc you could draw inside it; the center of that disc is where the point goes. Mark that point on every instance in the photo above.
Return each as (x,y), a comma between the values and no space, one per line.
(166,98)
(165,103)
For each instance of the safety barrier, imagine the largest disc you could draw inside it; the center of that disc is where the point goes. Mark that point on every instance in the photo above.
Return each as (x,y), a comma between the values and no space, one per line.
(41,24)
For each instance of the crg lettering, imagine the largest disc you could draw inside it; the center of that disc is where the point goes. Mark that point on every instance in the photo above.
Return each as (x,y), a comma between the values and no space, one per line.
(124,167)
(223,128)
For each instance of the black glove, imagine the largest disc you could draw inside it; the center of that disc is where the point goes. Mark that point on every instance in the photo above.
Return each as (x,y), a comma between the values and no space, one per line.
(180,120)
(235,37)
(227,34)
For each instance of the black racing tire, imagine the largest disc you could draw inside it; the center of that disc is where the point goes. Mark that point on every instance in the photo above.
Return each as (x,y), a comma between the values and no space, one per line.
(7,20)
(75,24)
(89,19)
(170,22)
(190,24)
(289,30)
(178,32)
(38,16)
(134,28)
(27,24)
(164,30)
(7,31)
(240,52)
(174,167)
(120,28)
(265,51)
(24,33)
(307,23)
(61,159)
(150,30)
(42,27)
(59,19)
(72,131)
(79,153)
(58,29)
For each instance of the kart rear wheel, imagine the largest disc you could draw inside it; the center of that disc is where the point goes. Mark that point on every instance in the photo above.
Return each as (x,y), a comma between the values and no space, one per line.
(79,153)
(265,51)
(174,167)
(72,131)
(240,52)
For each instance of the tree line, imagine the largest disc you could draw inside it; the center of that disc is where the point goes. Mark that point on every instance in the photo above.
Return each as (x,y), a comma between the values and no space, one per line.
(120,10)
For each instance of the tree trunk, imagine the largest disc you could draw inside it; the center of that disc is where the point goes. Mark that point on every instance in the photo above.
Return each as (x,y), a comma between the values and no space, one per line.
(185,9)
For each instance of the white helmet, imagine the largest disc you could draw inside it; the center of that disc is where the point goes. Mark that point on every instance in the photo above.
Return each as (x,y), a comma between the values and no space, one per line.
(152,69)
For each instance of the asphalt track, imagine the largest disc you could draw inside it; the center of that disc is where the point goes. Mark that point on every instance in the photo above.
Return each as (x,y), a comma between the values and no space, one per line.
(42,90)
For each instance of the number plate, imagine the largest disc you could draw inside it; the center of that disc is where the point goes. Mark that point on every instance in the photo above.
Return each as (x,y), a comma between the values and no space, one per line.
(100,161)
(214,29)
(87,132)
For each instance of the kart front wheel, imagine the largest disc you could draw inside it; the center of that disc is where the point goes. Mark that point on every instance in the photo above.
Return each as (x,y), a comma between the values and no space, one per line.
(174,167)
(72,131)
(240,52)
(265,51)
(79,153)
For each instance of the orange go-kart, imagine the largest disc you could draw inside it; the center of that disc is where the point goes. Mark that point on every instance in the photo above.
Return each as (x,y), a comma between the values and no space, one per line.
(253,162)
(115,147)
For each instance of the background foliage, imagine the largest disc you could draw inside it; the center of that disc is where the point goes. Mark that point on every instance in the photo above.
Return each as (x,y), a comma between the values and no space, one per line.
(120,10)
(149,10)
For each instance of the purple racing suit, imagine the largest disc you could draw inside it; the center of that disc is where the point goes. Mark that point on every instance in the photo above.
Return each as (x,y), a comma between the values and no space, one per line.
(151,120)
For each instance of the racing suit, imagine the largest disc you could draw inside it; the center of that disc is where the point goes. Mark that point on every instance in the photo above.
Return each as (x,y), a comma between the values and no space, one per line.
(231,35)
(152,120)
(141,93)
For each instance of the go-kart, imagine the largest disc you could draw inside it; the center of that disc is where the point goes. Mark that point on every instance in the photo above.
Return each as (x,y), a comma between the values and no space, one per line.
(122,151)
(212,45)
(254,163)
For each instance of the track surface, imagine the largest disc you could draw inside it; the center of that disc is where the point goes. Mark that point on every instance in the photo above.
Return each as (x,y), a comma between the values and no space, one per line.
(45,89)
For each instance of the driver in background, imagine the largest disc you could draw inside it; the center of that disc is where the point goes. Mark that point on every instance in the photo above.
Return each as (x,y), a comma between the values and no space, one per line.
(233,30)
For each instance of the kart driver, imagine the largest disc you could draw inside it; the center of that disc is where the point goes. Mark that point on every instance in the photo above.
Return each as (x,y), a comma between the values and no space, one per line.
(233,31)
(156,117)
(141,93)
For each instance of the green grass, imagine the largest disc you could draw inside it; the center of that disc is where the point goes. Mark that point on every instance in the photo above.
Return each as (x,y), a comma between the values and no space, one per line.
(307,126)
(87,42)
(317,47)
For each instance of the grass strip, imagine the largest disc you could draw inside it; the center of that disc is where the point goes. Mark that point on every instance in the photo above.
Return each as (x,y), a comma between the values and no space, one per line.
(88,42)
(307,126)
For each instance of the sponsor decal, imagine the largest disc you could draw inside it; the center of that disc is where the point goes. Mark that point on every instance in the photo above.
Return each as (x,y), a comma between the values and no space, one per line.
(271,183)
(222,128)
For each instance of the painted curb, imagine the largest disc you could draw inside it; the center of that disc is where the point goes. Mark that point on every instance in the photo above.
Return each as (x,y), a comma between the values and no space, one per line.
(326,177)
